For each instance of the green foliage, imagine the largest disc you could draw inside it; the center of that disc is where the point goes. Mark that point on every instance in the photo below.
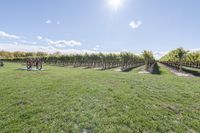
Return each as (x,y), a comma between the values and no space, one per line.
(175,55)
(148,58)
(193,57)
(181,57)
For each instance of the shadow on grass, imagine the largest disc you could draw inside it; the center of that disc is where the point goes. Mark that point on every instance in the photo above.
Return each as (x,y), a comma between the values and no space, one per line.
(128,69)
(131,68)
(192,71)
(156,69)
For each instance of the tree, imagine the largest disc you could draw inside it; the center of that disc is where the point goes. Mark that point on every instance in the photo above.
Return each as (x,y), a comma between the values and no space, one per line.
(148,58)
(180,54)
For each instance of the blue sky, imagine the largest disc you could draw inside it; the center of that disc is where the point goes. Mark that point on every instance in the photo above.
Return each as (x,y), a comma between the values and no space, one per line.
(95,25)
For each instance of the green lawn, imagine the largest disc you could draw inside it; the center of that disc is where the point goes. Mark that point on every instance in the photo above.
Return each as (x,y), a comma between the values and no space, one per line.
(62,100)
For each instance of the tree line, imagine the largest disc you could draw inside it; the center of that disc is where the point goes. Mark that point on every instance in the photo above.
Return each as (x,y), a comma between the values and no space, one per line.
(124,60)
(181,57)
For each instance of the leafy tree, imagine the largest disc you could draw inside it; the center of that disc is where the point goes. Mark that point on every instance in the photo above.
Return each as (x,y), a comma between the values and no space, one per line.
(175,58)
(148,59)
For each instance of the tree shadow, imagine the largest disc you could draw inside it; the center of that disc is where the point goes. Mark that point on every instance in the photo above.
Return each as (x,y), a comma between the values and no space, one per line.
(193,72)
(131,68)
(156,69)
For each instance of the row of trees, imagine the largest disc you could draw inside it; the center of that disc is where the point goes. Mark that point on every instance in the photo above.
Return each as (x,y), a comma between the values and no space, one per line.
(180,57)
(125,60)
(103,61)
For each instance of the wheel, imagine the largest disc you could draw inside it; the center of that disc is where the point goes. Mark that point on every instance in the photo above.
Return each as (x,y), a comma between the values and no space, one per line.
(1,64)
(28,65)
(39,65)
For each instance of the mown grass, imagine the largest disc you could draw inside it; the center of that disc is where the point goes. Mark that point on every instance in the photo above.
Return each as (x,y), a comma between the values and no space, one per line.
(82,100)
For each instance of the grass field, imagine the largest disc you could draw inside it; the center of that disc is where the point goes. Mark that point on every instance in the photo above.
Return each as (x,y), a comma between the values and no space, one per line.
(62,100)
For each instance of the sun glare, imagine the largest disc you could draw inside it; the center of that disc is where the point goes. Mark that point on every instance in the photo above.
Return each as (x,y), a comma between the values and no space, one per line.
(115,4)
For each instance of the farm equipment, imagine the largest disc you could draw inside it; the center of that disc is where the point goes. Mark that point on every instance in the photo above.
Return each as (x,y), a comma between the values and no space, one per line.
(1,64)
(30,63)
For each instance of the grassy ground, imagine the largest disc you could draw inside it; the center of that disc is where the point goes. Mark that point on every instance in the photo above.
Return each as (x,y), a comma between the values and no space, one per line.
(82,100)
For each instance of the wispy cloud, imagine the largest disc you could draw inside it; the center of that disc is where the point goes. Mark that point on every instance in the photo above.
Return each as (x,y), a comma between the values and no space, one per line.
(28,42)
(39,38)
(96,47)
(135,24)
(194,50)
(35,48)
(159,54)
(124,50)
(5,35)
(60,43)
(64,43)
(48,21)
(58,22)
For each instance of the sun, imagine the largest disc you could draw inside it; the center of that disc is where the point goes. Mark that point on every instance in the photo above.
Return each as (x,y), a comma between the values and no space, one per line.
(115,4)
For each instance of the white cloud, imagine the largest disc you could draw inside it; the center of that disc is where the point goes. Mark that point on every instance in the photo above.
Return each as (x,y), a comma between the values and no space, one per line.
(21,47)
(96,47)
(48,49)
(39,38)
(124,50)
(58,22)
(135,24)
(63,43)
(60,43)
(48,21)
(35,48)
(159,54)
(194,50)
(5,35)
(27,42)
